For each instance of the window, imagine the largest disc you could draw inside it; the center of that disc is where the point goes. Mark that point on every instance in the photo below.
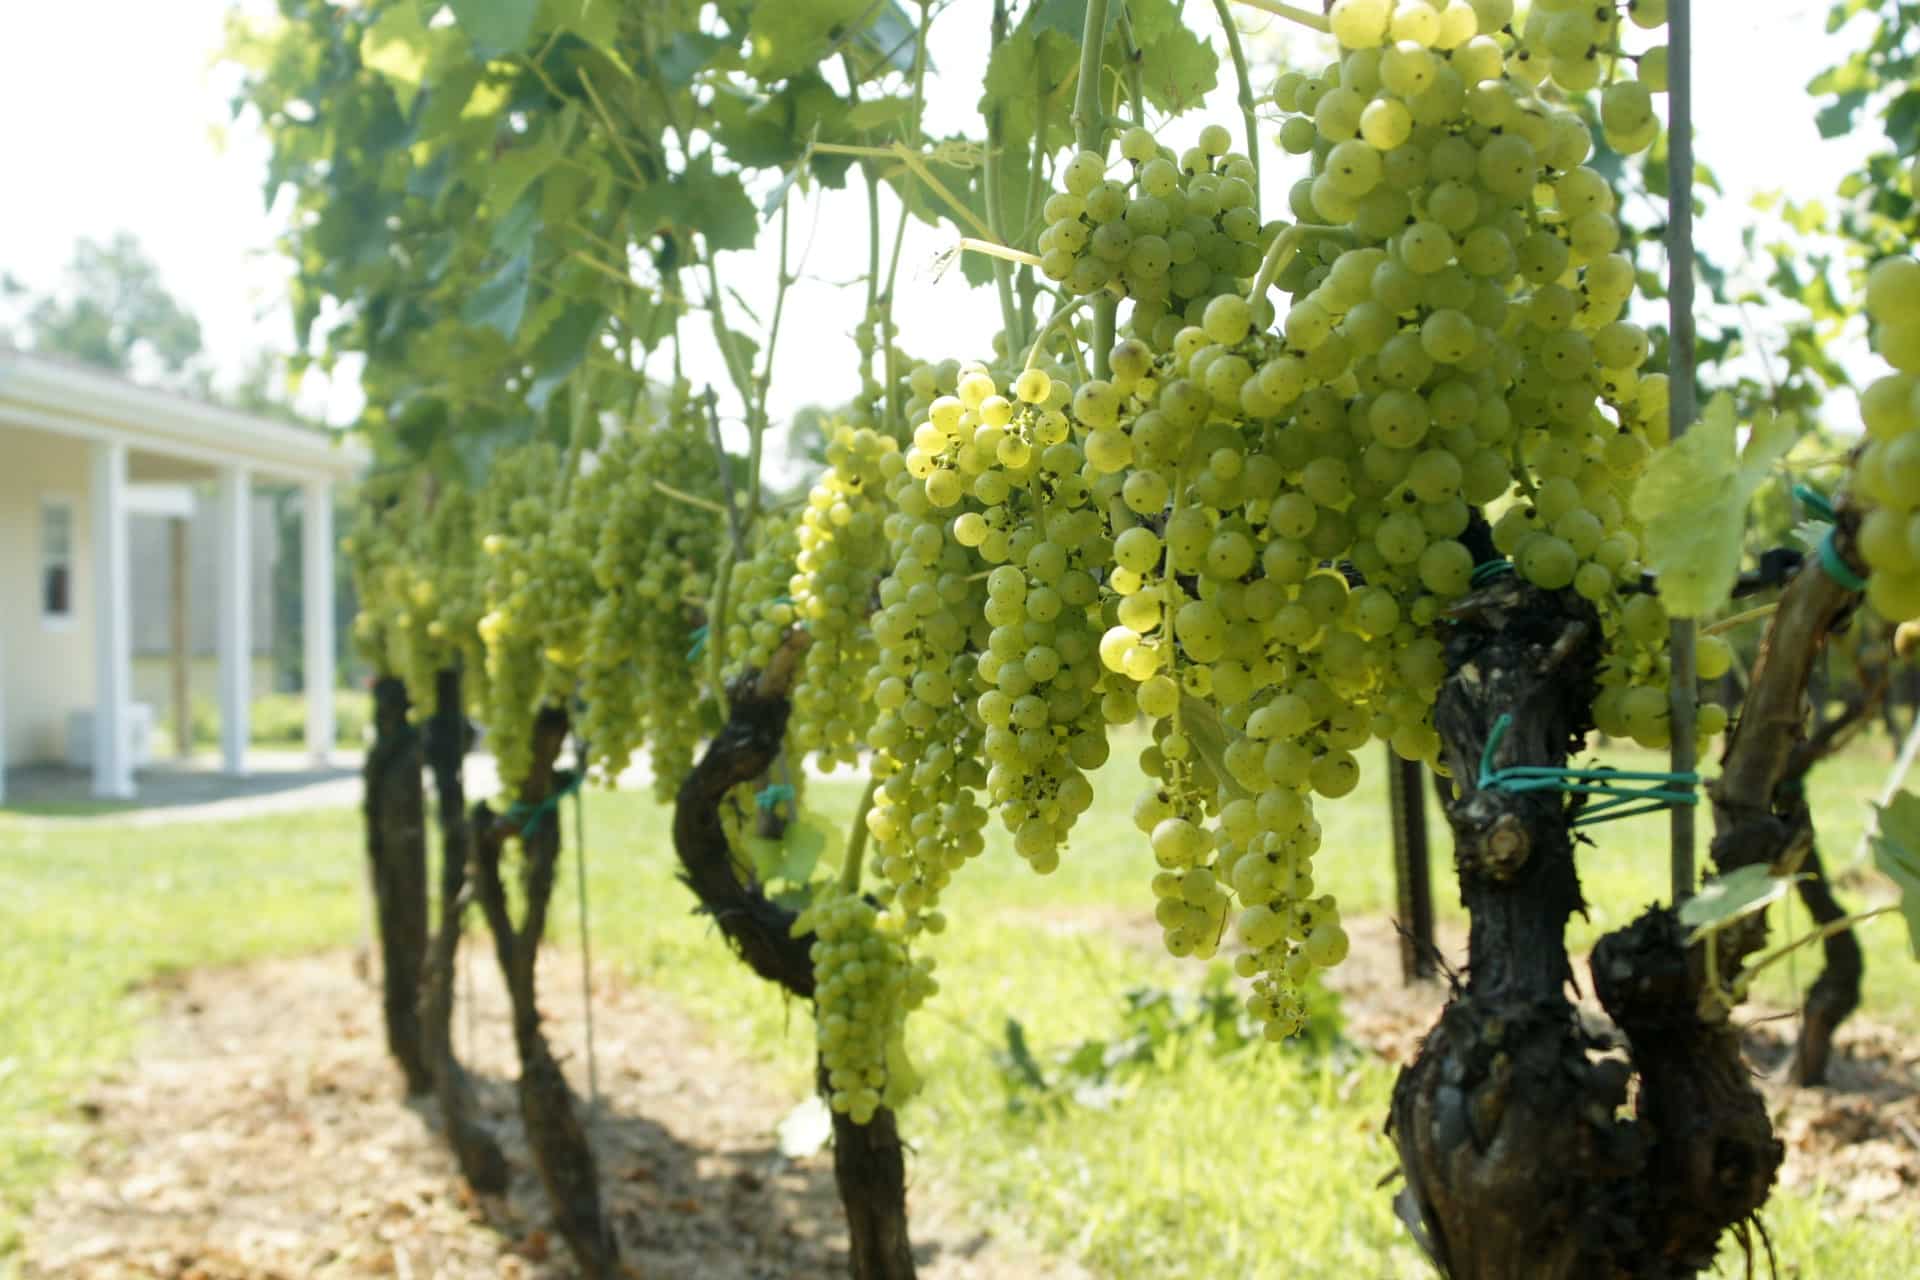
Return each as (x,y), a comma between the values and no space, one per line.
(56,559)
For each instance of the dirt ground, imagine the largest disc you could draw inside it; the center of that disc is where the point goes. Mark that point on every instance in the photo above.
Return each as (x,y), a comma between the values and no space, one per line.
(258,1135)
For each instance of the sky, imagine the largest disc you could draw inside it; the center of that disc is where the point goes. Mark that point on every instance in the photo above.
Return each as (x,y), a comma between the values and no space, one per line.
(137,135)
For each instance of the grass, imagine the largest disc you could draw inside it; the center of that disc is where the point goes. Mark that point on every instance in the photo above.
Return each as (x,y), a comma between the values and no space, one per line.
(90,914)
(1256,1163)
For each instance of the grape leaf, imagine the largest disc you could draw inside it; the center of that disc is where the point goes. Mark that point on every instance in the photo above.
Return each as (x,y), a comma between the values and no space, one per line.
(501,302)
(795,854)
(788,38)
(495,26)
(1693,501)
(1733,896)
(397,47)
(1896,851)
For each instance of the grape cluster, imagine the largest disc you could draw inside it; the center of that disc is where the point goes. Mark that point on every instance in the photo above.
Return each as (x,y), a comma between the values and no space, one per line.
(1888,473)
(865,984)
(1301,500)
(1578,45)
(538,591)
(653,563)
(841,553)
(1179,231)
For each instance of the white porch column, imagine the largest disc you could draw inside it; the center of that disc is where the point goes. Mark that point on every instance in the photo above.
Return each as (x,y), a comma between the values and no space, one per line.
(112,623)
(316,614)
(236,613)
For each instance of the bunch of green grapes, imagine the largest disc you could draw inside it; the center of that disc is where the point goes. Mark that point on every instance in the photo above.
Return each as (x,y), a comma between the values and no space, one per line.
(842,551)
(865,984)
(1888,473)
(654,561)
(1177,232)
(1578,45)
(925,820)
(1301,501)
(759,608)
(518,516)
(378,551)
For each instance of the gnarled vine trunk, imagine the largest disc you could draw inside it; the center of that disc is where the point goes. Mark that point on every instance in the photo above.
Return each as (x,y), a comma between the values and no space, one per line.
(554,1132)
(396,833)
(1518,1159)
(868,1165)
(481,1160)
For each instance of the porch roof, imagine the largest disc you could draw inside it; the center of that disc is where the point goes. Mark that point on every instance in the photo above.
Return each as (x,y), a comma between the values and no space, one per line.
(52,394)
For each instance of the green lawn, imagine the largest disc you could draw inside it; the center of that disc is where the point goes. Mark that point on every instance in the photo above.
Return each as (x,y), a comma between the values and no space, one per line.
(1248,1162)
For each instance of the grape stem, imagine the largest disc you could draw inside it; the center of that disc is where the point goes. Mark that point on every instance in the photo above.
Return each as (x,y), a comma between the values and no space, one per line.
(735,530)
(1239,56)
(1279,254)
(857,839)
(916,165)
(995,250)
(992,179)
(690,499)
(1312,21)
(1091,127)
(1060,312)
(1728,624)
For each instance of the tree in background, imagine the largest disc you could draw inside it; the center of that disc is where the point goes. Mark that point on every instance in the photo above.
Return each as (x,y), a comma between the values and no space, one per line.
(116,313)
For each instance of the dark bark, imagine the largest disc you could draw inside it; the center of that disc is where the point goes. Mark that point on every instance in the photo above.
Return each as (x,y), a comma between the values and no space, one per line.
(1518,1159)
(396,828)
(868,1163)
(870,1171)
(559,1144)
(1835,994)
(448,737)
(1412,867)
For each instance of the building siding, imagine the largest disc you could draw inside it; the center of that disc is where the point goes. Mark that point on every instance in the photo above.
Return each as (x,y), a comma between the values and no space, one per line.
(47,668)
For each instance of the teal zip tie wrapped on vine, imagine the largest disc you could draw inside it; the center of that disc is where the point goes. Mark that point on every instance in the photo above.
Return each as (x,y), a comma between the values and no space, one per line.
(1618,800)
(529,815)
(1837,568)
(1831,561)
(699,643)
(777,793)
(1487,570)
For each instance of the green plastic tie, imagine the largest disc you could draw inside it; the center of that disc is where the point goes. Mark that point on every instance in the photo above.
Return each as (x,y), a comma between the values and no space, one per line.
(771,796)
(1837,567)
(1487,570)
(1618,800)
(530,814)
(699,643)
(1814,500)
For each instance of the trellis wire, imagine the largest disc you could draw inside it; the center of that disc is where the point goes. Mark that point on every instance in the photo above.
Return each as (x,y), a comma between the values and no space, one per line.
(1683,685)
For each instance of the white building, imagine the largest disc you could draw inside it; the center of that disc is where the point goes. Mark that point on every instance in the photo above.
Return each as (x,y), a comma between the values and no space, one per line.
(81,451)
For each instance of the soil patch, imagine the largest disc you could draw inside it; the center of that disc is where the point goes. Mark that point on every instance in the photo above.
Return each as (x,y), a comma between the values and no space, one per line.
(258,1134)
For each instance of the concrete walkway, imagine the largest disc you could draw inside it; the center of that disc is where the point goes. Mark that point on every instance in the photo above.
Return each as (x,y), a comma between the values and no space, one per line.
(187,791)
(198,791)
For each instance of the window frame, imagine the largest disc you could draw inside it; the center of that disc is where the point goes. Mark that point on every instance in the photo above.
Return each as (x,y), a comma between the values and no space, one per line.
(43,560)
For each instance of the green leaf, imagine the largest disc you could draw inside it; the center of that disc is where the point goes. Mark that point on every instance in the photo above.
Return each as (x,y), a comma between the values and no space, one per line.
(562,347)
(1693,501)
(1733,896)
(397,46)
(794,856)
(1896,851)
(1209,738)
(785,39)
(501,303)
(495,26)
(1177,66)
